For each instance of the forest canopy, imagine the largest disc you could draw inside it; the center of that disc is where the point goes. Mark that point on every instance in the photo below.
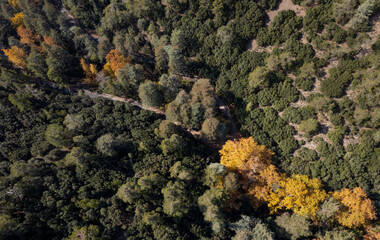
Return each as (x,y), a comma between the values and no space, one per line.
(179,119)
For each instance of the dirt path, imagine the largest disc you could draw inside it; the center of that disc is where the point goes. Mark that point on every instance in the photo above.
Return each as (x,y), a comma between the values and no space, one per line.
(196,134)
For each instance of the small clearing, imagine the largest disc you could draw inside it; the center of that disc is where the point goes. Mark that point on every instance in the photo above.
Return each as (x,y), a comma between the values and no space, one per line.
(283,6)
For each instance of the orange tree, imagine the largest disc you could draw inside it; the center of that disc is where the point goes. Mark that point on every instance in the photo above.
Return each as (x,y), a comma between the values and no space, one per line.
(115,61)
(358,209)
(27,36)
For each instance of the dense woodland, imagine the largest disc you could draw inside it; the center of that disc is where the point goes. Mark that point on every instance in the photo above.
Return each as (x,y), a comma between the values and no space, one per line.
(232,119)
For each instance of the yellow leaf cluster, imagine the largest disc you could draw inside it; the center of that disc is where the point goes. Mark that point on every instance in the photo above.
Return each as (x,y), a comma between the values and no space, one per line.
(372,233)
(358,208)
(18,19)
(245,155)
(108,70)
(262,189)
(262,183)
(13,3)
(16,55)
(298,193)
(116,61)
(248,159)
(90,72)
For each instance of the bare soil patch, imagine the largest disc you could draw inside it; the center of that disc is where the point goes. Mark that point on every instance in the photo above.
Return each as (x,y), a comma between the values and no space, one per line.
(283,6)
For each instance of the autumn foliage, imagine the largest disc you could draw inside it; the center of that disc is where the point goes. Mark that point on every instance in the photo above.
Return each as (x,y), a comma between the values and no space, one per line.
(115,61)
(13,3)
(27,36)
(18,19)
(245,156)
(90,72)
(358,209)
(48,40)
(16,55)
(298,193)
(262,183)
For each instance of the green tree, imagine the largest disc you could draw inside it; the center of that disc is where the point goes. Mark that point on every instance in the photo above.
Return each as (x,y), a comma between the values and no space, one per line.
(177,39)
(178,170)
(212,204)
(61,65)
(259,78)
(167,129)
(295,225)
(150,94)
(90,232)
(251,228)
(338,234)
(362,14)
(74,122)
(213,130)
(37,64)
(173,145)
(170,85)
(309,127)
(176,200)
(57,135)
(173,112)
(176,63)
(108,145)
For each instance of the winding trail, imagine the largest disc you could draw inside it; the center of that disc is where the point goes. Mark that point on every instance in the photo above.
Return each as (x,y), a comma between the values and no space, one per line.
(223,107)
(196,134)
(80,90)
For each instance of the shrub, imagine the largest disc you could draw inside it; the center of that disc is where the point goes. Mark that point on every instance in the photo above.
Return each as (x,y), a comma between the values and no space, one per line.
(309,127)
(307,154)
(334,86)
(376,46)
(291,114)
(337,134)
(288,145)
(305,84)
(336,120)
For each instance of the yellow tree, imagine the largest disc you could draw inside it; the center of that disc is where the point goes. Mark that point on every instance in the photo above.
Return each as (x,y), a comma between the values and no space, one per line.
(260,191)
(16,55)
(358,210)
(247,159)
(18,19)
(298,193)
(90,72)
(245,156)
(115,61)
(13,3)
